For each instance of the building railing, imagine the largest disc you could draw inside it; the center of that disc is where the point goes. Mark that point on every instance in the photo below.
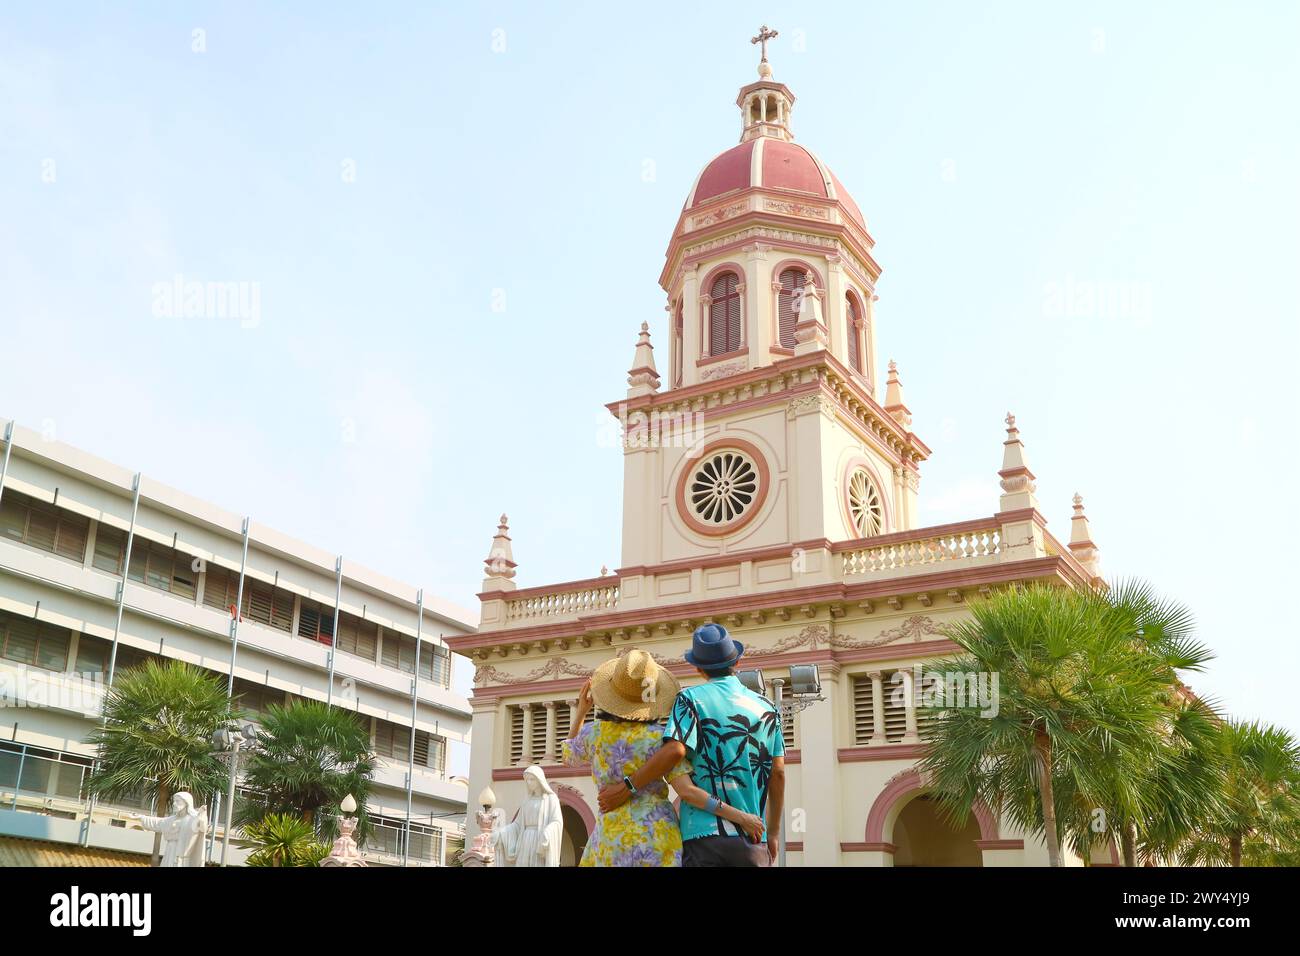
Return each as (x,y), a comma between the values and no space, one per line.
(908,550)
(564,601)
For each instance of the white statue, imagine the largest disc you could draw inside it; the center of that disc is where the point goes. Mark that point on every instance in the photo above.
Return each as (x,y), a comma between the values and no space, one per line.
(533,837)
(182,832)
(482,851)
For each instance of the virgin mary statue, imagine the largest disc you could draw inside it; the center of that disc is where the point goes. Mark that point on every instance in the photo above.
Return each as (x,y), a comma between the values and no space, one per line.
(533,837)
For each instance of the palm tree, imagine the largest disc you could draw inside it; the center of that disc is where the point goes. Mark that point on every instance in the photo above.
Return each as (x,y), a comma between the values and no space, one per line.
(1160,789)
(308,757)
(282,839)
(158,721)
(1076,694)
(1259,819)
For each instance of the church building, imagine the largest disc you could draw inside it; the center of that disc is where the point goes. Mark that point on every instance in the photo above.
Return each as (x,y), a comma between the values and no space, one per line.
(770,484)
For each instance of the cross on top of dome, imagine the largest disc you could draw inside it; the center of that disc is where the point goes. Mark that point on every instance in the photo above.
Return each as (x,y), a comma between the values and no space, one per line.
(764,34)
(765,106)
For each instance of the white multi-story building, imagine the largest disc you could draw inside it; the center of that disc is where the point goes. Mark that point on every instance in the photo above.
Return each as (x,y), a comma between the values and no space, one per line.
(65,517)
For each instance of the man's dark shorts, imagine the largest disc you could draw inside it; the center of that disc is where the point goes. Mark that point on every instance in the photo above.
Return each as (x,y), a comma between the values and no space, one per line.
(724,851)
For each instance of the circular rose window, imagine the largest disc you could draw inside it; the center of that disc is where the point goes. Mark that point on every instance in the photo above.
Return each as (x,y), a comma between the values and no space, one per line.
(723,486)
(865,509)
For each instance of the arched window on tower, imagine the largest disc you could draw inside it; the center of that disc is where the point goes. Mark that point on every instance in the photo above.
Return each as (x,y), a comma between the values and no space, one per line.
(677,346)
(724,314)
(853,329)
(789,304)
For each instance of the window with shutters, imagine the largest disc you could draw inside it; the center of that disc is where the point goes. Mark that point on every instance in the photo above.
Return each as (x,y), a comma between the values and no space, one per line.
(435,664)
(787,727)
(678,345)
(864,719)
(724,314)
(430,751)
(110,549)
(392,740)
(25,641)
(516,735)
(853,332)
(38,525)
(161,567)
(316,622)
(93,654)
(398,651)
(356,636)
(894,687)
(563,716)
(789,304)
(930,691)
(263,603)
(256,698)
(539,731)
(267,604)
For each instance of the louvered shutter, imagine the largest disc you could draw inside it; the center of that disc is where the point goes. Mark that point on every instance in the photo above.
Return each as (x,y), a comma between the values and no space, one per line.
(724,315)
(562,725)
(13,515)
(895,691)
(516,735)
(42,528)
(73,531)
(864,720)
(53,644)
(788,302)
(110,542)
(539,732)
(20,640)
(787,727)
(854,334)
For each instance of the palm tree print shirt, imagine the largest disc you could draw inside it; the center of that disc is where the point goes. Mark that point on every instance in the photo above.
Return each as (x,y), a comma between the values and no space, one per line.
(731,736)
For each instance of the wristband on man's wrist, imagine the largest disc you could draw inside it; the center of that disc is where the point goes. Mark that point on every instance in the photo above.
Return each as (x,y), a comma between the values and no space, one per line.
(627,782)
(711,805)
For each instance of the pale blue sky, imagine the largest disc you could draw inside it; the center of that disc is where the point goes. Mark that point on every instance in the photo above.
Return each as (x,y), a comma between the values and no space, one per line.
(382,408)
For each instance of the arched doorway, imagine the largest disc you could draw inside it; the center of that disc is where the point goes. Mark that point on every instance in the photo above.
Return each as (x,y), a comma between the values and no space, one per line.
(905,823)
(922,837)
(578,823)
(575,836)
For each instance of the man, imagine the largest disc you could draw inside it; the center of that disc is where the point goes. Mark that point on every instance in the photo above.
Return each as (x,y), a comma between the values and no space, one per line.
(732,738)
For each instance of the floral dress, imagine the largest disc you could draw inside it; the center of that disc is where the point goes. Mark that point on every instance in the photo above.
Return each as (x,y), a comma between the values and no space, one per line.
(643,831)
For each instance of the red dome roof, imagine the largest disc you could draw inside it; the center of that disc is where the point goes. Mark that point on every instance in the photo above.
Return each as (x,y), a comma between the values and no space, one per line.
(774,164)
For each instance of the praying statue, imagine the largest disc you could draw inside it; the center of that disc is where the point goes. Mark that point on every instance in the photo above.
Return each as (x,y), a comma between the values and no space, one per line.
(533,837)
(182,832)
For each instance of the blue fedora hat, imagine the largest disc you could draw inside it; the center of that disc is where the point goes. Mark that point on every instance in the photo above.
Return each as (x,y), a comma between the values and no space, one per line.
(713,647)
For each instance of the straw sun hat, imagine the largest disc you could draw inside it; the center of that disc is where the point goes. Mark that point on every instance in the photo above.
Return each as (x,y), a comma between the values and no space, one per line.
(634,687)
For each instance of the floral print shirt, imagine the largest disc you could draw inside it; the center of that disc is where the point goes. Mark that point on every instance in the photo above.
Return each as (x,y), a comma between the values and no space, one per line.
(643,831)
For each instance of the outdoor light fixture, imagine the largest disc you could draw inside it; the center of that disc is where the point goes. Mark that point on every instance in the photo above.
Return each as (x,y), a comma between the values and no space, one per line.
(805,681)
(752,680)
(349,805)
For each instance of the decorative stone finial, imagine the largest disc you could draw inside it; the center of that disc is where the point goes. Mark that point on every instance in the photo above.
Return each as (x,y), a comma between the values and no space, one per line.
(1017,480)
(603,570)
(1082,546)
(894,404)
(643,377)
(499,565)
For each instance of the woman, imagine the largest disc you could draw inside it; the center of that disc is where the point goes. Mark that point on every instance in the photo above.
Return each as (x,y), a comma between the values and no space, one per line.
(632,696)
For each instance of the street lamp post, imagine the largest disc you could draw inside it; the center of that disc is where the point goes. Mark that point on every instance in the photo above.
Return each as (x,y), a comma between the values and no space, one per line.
(229,741)
(805,690)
